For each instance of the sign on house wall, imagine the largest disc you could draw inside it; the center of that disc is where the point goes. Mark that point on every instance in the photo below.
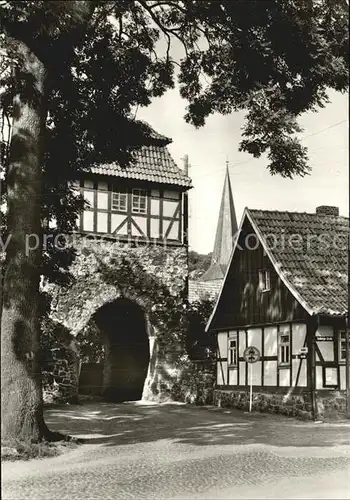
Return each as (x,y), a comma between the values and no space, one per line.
(251,354)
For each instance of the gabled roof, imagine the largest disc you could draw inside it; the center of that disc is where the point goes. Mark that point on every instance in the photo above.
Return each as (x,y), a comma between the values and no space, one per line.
(225,231)
(153,163)
(310,254)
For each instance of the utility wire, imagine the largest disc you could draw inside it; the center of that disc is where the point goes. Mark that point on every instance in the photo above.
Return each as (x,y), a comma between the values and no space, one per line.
(221,169)
(323,130)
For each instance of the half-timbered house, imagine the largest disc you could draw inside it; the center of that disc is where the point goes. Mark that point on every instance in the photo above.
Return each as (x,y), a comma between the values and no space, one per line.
(285,293)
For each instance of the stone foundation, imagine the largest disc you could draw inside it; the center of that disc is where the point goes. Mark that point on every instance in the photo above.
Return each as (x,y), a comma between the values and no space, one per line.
(329,406)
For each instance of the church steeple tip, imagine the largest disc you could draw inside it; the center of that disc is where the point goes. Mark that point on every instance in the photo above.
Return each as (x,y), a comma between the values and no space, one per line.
(225,231)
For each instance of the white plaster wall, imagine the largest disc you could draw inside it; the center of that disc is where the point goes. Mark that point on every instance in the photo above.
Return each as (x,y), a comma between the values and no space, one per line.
(302,382)
(342,378)
(241,343)
(255,370)
(254,338)
(242,380)
(221,370)
(270,338)
(222,342)
(331,376)
(298,336)
(270,373)
(88,220)
(102,222)
(319,382)
(116,220)
(284,374)
(142,223)
(102,200)
(232,376)
(169,208)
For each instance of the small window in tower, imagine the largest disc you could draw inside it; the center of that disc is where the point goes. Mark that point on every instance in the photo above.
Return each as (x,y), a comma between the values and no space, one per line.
(119,200)
(264,280)
(139,201)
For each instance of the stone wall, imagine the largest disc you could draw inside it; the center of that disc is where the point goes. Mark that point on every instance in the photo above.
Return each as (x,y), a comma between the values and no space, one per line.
(331,405)
(61,375)
(154,277)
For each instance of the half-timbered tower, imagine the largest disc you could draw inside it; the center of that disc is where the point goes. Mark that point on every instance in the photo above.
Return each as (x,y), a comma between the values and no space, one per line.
(143,202)
(130,275)
(286,294)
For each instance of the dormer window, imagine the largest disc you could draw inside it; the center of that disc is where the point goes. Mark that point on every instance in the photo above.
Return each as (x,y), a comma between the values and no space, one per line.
(264,280)
(139,201)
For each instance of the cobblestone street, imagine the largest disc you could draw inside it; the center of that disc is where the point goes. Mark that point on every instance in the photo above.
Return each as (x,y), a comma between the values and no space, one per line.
(175,451)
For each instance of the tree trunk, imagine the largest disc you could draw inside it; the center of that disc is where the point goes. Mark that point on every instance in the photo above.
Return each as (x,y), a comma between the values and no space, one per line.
(21,395)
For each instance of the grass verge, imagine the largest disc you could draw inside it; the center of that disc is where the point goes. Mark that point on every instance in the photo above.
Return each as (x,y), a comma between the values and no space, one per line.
(26,451)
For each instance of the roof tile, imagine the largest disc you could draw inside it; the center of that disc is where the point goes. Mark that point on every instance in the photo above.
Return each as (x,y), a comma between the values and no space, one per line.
(152,163)
(203,290)
(317,268)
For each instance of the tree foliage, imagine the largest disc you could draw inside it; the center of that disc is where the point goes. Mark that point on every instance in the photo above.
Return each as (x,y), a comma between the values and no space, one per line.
(198,263)
(273,59)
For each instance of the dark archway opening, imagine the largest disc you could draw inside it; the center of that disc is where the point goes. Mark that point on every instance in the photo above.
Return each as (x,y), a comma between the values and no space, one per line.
(122,326)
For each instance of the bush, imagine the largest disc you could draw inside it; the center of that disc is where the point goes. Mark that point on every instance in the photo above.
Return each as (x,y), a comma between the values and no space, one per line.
(195,384)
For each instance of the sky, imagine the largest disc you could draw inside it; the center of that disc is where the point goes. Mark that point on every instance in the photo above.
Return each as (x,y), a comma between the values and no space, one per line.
(325,134)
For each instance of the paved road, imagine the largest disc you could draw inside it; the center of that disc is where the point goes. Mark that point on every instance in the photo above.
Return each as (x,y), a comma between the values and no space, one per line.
(174,451)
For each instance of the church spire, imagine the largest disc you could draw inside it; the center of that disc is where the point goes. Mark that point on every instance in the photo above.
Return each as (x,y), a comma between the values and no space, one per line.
(225,231)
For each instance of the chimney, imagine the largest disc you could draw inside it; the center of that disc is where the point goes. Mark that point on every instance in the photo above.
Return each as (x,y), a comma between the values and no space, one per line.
(326,210)
(185,160)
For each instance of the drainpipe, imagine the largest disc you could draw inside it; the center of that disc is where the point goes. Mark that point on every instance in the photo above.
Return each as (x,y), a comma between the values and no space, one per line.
(347,370)
(347,340)
(185,224)
(313,325)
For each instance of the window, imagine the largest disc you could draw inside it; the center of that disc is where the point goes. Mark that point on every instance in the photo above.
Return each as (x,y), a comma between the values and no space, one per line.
(342,346)
(284,348)
(264,280)
(119,200)
(139,201)
(232,351)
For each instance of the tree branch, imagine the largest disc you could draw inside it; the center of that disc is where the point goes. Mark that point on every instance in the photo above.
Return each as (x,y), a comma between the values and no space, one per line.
(166,31)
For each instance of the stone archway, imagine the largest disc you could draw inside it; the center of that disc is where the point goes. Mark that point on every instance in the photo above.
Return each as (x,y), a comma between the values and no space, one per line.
(153,279)
(122,325)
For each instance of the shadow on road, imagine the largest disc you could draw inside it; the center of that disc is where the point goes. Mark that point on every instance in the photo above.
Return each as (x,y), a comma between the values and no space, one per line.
(136,422)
